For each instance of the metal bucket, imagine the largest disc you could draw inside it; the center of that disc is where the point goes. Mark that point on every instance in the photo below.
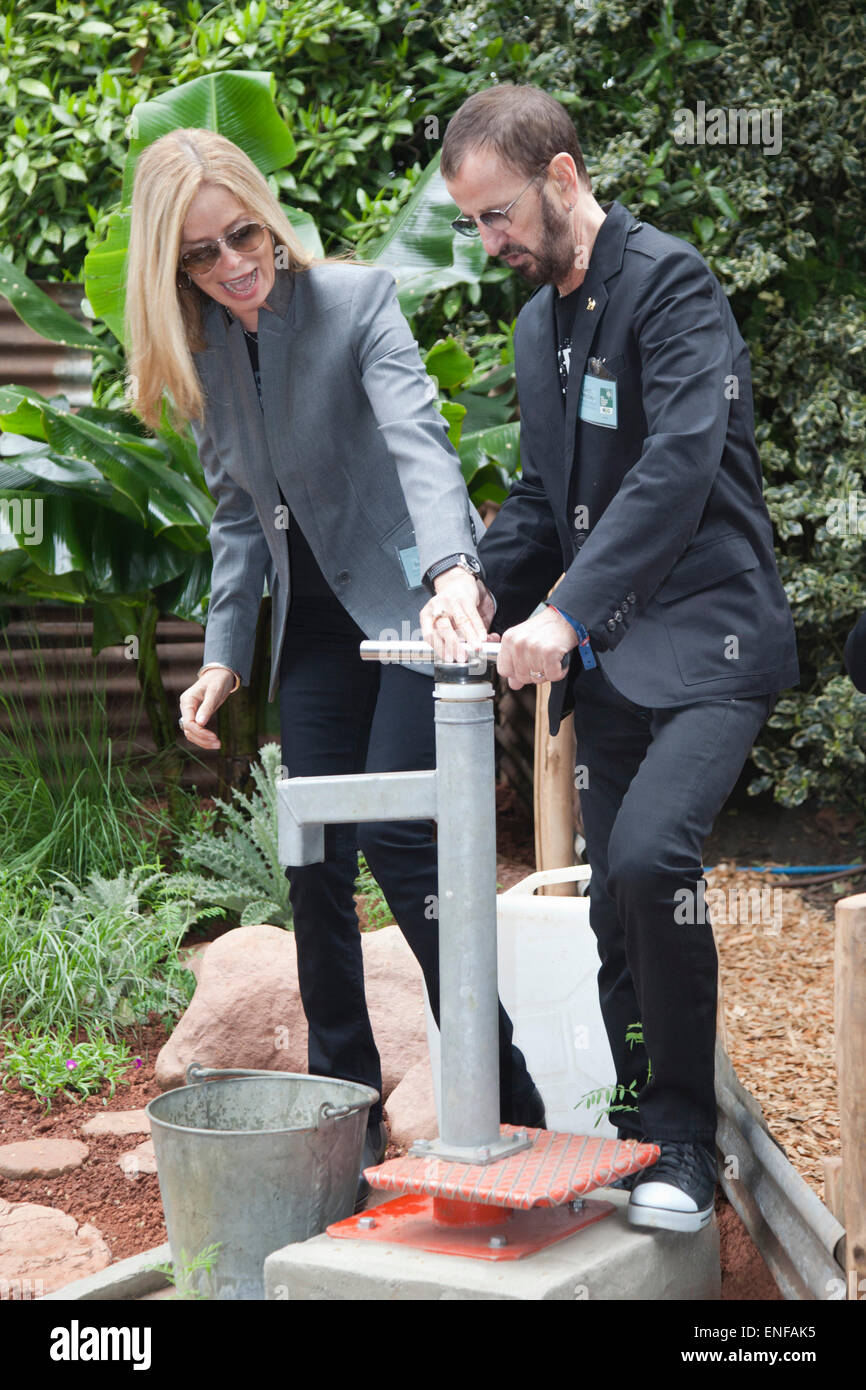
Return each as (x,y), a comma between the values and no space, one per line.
(254,1160)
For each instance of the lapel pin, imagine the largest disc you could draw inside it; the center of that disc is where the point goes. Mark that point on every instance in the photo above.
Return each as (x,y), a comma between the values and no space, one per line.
(590,303)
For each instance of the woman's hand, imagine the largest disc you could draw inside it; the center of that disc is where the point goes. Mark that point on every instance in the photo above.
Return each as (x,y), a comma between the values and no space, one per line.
(203,699)
(459,612)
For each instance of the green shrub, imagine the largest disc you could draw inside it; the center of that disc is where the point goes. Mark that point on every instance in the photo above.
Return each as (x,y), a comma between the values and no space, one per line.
(102,956)
(244,874)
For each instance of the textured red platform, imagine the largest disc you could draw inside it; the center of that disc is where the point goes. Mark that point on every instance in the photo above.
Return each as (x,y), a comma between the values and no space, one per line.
(555,1170)
(416,1220)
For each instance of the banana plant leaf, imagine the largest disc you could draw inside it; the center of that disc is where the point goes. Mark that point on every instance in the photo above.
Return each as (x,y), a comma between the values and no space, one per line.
(453,413)
(421,248)
(499,445)
(104,267)
(239,105)
(489,484)
(450,365)
(144,484)
(308,232)
(98,553)
(35,308)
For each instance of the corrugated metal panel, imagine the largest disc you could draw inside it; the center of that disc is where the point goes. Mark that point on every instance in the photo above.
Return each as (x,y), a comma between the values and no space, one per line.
(796,1234)
(46,657)
(26,359)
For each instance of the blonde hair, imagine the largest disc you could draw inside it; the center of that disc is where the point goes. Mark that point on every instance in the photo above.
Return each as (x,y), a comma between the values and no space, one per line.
(164,321)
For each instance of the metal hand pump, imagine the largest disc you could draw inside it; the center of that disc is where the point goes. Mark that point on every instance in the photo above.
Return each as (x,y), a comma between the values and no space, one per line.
(460,796)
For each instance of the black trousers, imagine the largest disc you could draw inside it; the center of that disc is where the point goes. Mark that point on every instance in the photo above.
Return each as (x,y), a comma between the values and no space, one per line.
(655,782)
(341,715)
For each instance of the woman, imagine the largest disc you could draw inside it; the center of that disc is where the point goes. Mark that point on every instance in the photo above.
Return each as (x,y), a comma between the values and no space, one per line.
(334,480)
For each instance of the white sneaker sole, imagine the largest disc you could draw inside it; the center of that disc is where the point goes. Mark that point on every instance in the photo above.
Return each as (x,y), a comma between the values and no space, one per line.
(664,1219)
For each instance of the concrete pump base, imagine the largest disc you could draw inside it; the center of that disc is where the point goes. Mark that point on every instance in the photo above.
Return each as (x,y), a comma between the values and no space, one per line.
(608,1261)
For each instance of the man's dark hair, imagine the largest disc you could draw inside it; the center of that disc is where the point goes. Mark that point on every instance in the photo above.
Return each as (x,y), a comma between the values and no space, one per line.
(524,125)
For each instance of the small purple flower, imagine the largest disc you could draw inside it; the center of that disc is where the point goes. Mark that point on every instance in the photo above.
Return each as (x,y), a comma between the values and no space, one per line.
(139,1062)
(70,1063)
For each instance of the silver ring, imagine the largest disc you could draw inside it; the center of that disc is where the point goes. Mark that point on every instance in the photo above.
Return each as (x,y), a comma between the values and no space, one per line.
(537,675)
(180,722)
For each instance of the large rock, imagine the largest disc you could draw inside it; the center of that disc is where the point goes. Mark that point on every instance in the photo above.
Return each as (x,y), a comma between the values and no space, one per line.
(247,1012)
(395,999)
(41,1158)
(411,1108)
(43,1249)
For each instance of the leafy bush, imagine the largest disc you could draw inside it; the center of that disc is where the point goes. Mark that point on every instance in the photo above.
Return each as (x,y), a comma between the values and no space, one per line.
(245,876)
(244,872)
(100,957)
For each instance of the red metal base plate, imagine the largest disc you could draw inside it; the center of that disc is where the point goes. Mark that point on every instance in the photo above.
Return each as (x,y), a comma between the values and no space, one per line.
(555,1170)
(409,1220)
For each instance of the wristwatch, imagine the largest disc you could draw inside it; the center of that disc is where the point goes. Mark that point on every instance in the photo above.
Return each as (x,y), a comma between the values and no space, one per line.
(460,561)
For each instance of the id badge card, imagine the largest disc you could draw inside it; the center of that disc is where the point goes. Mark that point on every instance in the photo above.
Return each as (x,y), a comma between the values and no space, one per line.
(598,403)
(411,565)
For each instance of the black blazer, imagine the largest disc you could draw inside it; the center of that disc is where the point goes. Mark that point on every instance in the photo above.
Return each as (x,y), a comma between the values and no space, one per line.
(659,524)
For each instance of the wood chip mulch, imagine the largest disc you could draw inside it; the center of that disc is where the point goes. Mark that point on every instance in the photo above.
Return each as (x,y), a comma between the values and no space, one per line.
(776,970)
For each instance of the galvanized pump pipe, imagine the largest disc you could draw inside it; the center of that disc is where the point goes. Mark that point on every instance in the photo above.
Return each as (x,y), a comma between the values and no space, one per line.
(460,796)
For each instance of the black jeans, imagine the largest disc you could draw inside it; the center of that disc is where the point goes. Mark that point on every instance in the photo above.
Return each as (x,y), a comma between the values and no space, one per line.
(655,782)
(339,714)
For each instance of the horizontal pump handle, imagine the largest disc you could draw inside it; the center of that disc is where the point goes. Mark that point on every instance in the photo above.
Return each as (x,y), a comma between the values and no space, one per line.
(421,653)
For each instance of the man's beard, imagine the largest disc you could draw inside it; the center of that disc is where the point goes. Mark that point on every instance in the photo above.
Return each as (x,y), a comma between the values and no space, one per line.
(553,262)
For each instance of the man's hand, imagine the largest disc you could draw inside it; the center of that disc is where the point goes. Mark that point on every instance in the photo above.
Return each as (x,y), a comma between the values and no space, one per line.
(532,652)
(200,701)
(458,613)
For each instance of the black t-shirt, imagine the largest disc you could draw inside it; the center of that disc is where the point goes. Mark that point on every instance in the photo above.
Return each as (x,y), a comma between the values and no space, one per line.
(307,578)
(564,308)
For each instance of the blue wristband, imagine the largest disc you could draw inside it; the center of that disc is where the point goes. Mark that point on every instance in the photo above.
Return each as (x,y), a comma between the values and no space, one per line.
(583,646)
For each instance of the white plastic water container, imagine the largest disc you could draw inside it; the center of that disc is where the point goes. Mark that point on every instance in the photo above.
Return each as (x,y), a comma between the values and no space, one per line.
(548,982)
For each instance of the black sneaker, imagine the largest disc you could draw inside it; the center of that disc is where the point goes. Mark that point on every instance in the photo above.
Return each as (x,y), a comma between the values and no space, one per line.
(677,1192)
(627,1183)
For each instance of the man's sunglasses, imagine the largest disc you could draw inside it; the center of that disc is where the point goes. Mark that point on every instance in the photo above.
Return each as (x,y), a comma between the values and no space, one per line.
(249,237)
(497,219)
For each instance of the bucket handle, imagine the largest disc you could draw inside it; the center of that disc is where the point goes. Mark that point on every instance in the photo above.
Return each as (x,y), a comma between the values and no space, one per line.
(338,1112)
(195,1073)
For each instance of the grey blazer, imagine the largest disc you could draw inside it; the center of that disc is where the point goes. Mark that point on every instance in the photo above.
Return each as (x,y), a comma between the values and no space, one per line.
(351,435)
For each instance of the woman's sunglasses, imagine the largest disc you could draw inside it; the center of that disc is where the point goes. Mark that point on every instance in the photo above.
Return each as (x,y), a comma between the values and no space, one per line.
(202,258)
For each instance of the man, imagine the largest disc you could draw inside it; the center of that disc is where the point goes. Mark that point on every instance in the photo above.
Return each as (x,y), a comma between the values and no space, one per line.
(641,486)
